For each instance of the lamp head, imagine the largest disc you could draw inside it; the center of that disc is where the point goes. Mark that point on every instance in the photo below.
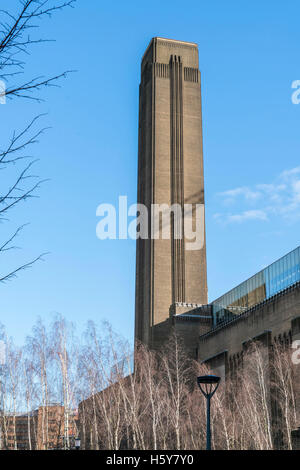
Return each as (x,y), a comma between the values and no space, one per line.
(208,384)
(208,379)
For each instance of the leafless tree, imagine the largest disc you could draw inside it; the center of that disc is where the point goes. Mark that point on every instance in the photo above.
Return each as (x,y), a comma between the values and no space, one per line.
(39,347)
(64,353)
(177,375)
(17,37)
(156,405)
(283,387)
(30,397)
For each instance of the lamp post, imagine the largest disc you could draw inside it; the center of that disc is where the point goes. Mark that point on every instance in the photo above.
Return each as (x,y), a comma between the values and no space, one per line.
(77,443)
(208,385)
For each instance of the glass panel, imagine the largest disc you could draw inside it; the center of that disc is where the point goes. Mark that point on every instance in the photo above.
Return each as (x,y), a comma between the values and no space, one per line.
(276,277)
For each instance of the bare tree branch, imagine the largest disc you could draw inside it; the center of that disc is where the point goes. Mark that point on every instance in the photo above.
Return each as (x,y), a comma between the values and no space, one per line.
(16,39)
(14,42)
(13,274)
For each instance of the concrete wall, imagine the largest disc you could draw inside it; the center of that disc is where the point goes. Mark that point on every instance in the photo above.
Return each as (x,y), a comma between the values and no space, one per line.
(275,319)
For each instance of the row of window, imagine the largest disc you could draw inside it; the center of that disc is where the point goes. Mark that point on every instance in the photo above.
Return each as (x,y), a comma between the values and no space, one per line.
(268,282)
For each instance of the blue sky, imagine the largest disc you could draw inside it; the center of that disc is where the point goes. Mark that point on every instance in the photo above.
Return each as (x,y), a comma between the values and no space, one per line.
(249,57)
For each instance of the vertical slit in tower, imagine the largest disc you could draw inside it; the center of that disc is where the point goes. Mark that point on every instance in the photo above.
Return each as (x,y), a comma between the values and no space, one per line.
(177,181)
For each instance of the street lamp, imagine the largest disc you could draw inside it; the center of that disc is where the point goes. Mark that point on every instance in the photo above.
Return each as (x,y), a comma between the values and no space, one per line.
(208,385)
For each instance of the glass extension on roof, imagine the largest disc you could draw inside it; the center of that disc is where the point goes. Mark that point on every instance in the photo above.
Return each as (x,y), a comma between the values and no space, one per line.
(271,280)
